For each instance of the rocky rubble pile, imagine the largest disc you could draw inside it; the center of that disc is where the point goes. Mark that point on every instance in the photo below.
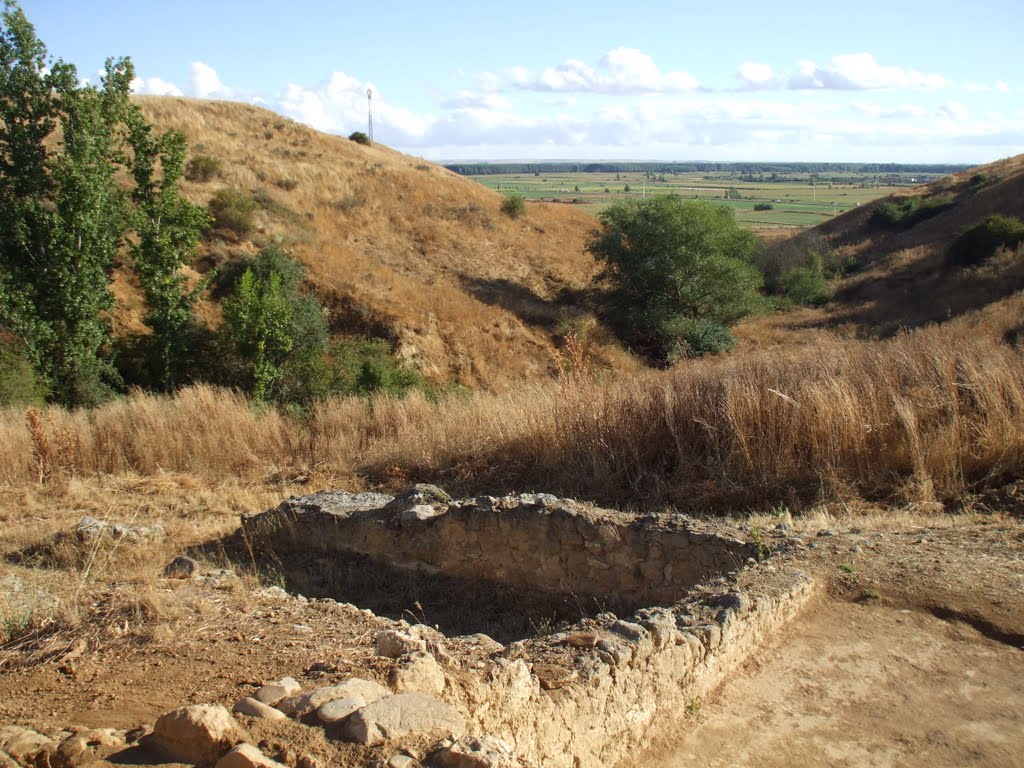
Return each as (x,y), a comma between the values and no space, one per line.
(356,710)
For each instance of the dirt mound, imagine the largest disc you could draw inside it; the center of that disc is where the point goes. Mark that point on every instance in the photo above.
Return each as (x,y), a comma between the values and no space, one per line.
(396,246)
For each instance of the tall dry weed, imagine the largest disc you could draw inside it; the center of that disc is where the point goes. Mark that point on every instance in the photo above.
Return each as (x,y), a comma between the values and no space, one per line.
(921,418)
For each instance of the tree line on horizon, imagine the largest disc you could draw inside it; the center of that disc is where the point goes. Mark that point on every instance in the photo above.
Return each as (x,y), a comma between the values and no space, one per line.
(504,168)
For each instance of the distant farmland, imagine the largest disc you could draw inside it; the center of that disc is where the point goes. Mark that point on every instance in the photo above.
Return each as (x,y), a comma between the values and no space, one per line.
(787,198)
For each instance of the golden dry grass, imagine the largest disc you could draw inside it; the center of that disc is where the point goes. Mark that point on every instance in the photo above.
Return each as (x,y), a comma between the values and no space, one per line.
(922,418)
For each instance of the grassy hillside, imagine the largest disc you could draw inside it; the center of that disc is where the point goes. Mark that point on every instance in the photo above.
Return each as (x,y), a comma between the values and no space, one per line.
(396,246)
(900,270)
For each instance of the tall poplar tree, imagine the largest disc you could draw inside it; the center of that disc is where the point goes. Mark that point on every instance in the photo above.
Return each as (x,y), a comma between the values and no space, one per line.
(62,210)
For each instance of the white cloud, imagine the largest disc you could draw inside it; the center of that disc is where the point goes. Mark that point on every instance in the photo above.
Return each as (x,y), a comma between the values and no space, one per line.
(859,72)
(205,83)
(902,111)
(1002,87)
(643,120)
(340,105)
(481,100)
(756,76)
(155,86)
(620,71)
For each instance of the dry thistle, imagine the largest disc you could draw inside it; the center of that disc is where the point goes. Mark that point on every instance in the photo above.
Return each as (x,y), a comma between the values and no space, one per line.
(42,451)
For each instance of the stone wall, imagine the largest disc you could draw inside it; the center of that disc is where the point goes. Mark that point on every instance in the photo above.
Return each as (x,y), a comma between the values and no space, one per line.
(634,685)
(531,540)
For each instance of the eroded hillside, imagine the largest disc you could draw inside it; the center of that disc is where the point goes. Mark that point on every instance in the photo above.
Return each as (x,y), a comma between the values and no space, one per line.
(900,271)
(397,246)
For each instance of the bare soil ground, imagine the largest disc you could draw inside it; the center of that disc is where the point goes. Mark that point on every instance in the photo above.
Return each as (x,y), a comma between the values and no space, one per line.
(930,672)
(863,685)
(912,656)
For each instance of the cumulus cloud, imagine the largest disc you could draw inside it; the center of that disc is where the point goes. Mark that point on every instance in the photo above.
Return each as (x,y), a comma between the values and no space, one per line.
(155,86)
(620,71)
(558,113)
(998,85)
(205,83)
(902,111)
(339,105)
(755,76)
(859,72)
(465,99)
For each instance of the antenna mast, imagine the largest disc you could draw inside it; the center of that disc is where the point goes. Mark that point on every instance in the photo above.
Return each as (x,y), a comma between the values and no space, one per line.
(369,109)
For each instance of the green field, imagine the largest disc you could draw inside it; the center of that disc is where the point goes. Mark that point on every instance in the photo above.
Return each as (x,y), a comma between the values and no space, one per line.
(796,200)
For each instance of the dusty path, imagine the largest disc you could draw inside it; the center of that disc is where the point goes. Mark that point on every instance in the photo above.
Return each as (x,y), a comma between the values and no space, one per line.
(863,685)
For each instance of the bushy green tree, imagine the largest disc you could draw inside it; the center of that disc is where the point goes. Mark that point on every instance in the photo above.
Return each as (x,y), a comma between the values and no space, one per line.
(274,328)
(679,272)
(62,210)
(168,228)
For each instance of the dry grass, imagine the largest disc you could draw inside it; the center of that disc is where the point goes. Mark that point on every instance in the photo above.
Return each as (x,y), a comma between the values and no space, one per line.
(922,418)
(60,594)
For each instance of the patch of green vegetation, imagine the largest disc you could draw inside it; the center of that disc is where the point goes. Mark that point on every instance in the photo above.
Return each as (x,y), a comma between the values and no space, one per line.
(232,210)
(359,138)
(19,383)
(679,273)
(203,168)
(981,241)
(905,212)
(514,205)
(795,270)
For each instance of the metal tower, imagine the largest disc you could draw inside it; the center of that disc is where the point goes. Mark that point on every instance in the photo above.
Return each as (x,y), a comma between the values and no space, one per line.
(369,109)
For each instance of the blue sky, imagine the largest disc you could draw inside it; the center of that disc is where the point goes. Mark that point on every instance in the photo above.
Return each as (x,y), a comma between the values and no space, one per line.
(895,81)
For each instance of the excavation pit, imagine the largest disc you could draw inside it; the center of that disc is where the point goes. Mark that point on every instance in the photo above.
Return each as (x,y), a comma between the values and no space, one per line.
(609,624)
(509,567)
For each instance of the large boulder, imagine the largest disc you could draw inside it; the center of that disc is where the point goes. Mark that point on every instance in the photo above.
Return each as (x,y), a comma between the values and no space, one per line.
(198,734)
(303,703)
(404,714)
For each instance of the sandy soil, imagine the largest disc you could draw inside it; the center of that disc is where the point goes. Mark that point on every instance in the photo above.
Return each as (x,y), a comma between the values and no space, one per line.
(863,685)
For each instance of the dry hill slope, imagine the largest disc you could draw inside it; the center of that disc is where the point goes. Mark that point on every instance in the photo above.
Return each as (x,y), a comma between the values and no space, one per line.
(905,278)
(398,246)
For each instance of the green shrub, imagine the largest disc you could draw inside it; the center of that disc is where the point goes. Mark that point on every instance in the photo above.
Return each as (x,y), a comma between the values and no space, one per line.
(514,205)
(677,272)
(806,285)
(696,337)
(908,211)
(19,383)
(232,210)
(763,206)
(359,138)
(202,168)
(367,366)
(981,241)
